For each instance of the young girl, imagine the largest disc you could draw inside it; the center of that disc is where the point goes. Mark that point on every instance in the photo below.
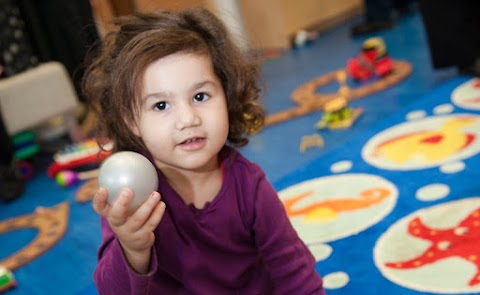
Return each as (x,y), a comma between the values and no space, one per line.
(173,87)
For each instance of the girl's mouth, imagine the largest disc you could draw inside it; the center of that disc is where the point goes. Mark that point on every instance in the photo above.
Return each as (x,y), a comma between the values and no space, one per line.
(193,144)
(190,140)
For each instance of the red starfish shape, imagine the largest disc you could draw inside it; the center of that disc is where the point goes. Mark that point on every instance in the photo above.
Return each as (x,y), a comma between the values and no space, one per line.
(461,241)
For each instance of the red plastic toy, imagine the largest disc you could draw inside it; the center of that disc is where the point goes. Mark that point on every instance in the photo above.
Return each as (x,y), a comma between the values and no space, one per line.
(77,155)
(372,61)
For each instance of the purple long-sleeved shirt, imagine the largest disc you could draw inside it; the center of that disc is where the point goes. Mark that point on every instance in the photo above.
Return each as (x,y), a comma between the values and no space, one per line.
(240,243)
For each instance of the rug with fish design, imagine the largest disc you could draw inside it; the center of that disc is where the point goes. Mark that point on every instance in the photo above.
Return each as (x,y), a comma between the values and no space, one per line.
(397,209)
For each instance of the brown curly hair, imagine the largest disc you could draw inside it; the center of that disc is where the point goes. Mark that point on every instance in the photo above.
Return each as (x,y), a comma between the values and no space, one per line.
(114,76)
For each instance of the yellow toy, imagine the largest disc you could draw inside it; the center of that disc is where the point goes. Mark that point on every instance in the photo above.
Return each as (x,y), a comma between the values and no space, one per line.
(337,113)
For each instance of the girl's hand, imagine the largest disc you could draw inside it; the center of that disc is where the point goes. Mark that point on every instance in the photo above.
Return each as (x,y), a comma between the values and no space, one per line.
(134,230)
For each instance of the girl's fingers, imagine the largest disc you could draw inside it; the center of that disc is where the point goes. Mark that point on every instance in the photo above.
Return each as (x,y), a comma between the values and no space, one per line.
(100,204)
(138,219)
(155,217)
(119,212)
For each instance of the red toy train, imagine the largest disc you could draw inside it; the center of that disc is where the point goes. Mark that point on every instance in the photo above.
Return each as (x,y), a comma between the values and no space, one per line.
(372,61)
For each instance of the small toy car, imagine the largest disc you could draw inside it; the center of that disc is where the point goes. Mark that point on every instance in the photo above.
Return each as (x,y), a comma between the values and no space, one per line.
(372,61)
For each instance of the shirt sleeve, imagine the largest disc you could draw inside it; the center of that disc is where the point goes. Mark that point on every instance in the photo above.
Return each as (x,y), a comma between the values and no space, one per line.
(113,275)
(288,259)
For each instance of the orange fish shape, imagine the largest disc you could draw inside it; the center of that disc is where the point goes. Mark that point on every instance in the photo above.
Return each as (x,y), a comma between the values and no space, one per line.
(327,210)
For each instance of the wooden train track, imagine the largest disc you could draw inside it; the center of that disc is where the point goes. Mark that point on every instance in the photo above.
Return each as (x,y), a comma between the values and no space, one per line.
(308,100)
(51,224)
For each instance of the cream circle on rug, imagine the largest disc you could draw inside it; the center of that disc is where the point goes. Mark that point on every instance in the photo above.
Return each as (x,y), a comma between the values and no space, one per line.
(320,251)
(341,166)
(335,280)
(433,192)
(332,207)
(467,95)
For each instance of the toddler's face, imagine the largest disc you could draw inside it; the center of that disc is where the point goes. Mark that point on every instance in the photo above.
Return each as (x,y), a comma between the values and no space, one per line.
(183,119)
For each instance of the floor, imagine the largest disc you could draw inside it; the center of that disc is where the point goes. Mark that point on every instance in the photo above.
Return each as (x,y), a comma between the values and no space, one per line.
(67,268)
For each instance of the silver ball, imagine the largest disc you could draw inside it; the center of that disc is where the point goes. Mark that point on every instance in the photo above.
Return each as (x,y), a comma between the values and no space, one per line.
(128,170)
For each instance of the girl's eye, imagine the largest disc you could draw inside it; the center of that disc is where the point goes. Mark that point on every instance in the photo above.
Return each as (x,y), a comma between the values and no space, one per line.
(201,97)
(160,106)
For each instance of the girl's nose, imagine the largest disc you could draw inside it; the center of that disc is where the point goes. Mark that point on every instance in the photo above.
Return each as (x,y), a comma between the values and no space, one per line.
(187,117)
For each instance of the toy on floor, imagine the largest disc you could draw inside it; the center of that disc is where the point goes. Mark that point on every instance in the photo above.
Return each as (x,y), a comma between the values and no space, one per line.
(7,281)
(343,89)
(309,141)
(83,153)
(337,114)
(372,61)
(68,178)
(50,223)
(303,37)
(308,99)
(128,170)
(25,145)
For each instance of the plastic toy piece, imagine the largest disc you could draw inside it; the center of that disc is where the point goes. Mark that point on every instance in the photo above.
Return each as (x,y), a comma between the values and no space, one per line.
(25,145)
(7,280)
(338,115)
(303,37)
(68,178)
(83,153)
(372,61)
(309,141)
